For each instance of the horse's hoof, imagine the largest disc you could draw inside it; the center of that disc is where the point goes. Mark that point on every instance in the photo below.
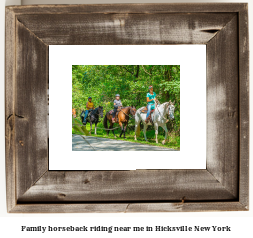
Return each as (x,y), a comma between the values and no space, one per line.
(163,142)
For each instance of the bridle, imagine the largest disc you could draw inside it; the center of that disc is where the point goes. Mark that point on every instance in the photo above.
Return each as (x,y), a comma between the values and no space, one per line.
(163,115)
(129,113)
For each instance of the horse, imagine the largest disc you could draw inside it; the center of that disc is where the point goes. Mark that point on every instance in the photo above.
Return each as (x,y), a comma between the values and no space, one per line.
(159,118)
(93,117)
(123,117)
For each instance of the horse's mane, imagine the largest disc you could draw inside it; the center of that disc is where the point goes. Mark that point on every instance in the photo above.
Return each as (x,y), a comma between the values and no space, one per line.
(94,111)
(140,109)
(165,103)
(127,107)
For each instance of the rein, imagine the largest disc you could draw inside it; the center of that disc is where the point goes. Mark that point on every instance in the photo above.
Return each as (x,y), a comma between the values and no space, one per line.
(98,127)
(95,113)
(125,113)
(162,115)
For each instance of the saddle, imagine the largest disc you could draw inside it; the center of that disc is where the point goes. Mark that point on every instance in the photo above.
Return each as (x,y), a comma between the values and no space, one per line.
(145,110)
(149,118)
(83,113)
(119,108)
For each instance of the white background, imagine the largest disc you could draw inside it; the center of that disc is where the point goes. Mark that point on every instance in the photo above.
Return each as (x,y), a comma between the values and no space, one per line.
(241,222)
(192,154)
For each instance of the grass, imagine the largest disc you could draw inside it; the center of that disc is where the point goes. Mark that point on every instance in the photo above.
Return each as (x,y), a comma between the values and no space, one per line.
(173,141)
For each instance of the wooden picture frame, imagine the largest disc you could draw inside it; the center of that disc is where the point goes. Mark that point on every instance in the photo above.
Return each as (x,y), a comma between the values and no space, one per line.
(223,186)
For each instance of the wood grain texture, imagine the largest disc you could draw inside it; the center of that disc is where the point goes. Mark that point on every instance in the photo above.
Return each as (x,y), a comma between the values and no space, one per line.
(118,29)
(186,207)
(223,186)
(222,107)
(9,109)
(31,109)
(154,8)
(244,107)
(140,185)
(128,207)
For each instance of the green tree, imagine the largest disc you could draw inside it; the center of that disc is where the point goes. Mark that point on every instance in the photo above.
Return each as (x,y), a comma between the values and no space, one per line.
(102,82)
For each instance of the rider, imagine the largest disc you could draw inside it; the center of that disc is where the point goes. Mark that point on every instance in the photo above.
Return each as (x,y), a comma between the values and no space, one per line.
(117,103)
(89,107)
(151,98)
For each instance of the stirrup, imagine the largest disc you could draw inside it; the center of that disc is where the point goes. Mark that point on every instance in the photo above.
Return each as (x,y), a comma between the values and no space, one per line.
(149,119)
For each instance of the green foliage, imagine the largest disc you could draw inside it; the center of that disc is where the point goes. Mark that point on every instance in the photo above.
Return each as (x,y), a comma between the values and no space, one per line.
(102,82)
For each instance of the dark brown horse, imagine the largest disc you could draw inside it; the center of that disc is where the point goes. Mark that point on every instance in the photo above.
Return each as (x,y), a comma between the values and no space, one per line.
(122,118)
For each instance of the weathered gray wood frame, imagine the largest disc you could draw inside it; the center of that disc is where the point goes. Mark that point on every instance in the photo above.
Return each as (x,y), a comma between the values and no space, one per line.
(223,186)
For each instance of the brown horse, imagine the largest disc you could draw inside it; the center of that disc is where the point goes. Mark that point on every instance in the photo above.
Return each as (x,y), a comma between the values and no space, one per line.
(123,117)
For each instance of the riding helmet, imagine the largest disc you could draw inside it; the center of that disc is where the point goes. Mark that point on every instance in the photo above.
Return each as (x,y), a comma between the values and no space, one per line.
(89,98)
(117,95)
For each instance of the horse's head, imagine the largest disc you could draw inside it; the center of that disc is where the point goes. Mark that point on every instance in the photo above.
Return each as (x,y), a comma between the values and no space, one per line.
(170,108)
(100,111)
(132,110)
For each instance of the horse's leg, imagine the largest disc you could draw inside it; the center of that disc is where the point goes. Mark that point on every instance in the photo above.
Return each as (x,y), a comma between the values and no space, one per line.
(136,127)
(95,128)
(111,127)
(90,127)
(122,128)
(156,132)
(113,132)
(144,130)
(121,125)
(125,129)
(166,133)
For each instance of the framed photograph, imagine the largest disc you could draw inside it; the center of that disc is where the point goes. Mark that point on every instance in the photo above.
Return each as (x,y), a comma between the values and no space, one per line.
(127,108)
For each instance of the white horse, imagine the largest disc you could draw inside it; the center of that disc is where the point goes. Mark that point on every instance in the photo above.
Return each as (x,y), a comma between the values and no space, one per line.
(159,118)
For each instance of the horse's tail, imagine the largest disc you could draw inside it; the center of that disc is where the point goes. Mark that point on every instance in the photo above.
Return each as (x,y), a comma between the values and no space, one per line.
(138,129)
(137,122)
(105,122)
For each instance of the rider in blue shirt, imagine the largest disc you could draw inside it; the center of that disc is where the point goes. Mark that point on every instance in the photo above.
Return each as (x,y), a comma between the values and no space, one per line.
(151,98)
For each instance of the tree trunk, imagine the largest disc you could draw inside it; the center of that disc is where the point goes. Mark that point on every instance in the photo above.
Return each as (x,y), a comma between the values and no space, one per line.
(137,72)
